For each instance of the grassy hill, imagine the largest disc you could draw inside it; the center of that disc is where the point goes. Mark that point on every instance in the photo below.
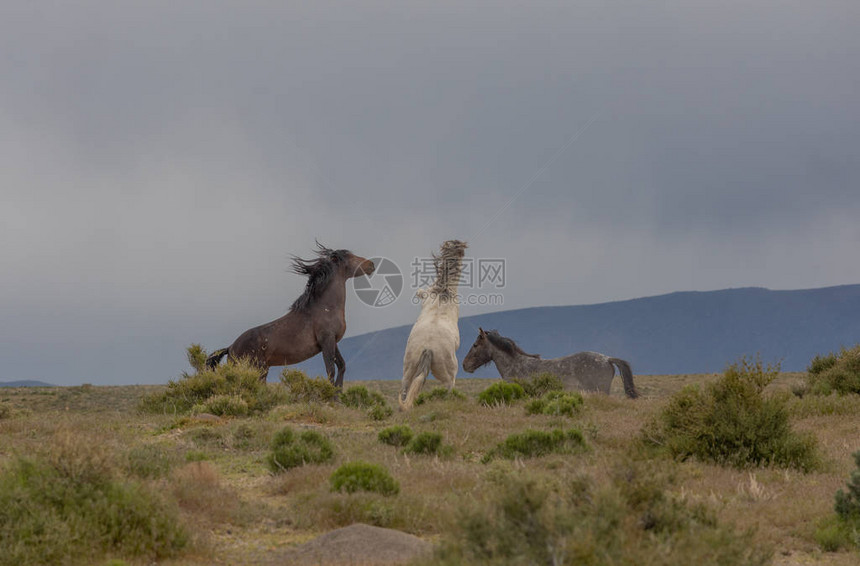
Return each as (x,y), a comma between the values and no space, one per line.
(685,332)
(213,498)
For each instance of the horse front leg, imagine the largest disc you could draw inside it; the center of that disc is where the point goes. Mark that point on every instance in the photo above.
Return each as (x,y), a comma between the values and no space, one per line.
(341,366)
(328,345)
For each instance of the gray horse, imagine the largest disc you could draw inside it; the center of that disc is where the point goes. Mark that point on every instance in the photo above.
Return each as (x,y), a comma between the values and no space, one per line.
(588,371)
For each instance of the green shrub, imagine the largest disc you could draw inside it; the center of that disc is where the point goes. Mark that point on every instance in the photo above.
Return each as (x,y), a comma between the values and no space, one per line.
(556,403)
(398,435)
(196,357)
(223,406)
(501,393)
(424,443)
(289,451)
(540,384)
(358,397)
(732,422)
(380,412)
(848,502)
(833,534)
(300,388)
(233,381)
(530,519)
(820,364)
(362,476)
(439,394)
(536,443)
(53,512)
(839,373)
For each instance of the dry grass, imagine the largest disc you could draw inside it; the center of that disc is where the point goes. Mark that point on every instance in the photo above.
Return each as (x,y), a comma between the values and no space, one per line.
(240,513)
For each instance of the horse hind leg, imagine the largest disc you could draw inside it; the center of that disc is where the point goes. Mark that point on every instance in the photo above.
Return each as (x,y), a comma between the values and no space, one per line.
(446,371)
(414,374)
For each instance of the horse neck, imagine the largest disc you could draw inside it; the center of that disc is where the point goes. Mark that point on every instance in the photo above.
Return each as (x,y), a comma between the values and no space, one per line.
(437,308)
(514,365)
(334,295)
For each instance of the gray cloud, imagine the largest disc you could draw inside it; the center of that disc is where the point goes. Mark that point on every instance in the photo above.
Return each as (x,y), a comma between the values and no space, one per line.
(160,162)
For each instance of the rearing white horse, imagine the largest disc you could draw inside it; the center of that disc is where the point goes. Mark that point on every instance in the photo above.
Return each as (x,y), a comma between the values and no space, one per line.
(435,337)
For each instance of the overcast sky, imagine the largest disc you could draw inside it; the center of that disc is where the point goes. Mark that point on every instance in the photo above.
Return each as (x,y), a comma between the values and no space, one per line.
(161,161)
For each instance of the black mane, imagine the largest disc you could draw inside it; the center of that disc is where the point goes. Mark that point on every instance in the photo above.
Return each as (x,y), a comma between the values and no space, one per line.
(319,272)
(506,344)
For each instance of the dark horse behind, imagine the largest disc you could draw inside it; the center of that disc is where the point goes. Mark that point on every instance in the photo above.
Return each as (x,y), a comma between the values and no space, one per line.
(314,324)
(589,371)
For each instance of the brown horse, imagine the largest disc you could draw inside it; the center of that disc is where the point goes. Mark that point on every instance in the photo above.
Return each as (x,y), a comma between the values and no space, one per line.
(314,324)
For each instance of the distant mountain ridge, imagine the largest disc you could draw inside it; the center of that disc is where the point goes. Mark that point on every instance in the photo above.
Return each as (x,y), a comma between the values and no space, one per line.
(682,332)
(25,383)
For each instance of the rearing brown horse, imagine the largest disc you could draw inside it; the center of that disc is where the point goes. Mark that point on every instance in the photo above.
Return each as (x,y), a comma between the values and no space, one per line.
(314,324)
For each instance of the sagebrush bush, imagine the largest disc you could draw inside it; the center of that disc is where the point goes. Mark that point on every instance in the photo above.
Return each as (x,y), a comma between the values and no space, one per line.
(848,502)
(71,507)
(835,373)
(536,443)
(301,388)
(196,357)
(556,403)
(398,435)
(501,393)
(540,384)
(439,394)
(223,406)
(842,530)
(358,397)
(363,476)
(425,443)
(733,422)
(231,380)
(289,451)
(533,520)
(380,412)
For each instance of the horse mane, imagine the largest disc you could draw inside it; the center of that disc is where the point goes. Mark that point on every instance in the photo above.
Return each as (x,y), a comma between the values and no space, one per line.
(319,272)
(506,344)
(448,264)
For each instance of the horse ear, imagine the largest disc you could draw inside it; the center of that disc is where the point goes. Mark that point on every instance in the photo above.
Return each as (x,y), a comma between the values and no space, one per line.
(481,331)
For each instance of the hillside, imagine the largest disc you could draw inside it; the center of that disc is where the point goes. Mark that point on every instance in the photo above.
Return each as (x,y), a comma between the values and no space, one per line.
(25,383)
(684,332)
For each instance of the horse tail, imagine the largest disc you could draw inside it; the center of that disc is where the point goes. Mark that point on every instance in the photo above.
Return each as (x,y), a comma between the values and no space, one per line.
(216,356)
(416,380)
(626,377)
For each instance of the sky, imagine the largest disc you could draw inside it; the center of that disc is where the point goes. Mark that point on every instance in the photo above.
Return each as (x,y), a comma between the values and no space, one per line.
(161,162)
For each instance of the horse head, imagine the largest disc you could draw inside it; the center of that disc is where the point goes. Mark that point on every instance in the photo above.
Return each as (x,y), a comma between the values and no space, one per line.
(479,354)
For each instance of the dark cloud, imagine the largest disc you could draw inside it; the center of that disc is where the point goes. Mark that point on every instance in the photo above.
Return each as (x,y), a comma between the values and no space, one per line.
(161,161)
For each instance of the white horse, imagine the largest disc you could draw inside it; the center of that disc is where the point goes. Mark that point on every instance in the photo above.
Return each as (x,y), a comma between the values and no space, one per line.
(435,337)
